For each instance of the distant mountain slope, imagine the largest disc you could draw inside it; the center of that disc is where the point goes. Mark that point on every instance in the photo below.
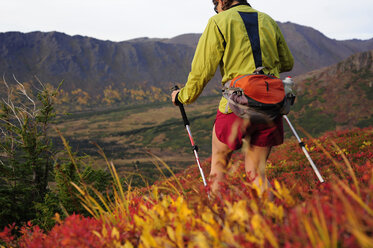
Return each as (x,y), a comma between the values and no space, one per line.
(336,97)
(89,63)
(313,50)
(93,65)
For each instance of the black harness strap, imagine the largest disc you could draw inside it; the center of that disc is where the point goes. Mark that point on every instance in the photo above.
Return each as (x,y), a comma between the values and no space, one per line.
(250,20)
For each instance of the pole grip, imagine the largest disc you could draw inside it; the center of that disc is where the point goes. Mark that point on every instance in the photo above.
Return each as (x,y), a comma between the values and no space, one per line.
(185,118)
(181,107)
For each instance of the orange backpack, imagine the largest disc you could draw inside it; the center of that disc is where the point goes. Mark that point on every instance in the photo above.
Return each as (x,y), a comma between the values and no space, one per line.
(257,95)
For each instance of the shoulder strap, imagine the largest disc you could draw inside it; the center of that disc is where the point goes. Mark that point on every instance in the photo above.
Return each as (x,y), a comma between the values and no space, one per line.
(250,19)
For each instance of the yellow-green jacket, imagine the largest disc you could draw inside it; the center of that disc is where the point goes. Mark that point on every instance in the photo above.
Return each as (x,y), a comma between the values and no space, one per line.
(229,41)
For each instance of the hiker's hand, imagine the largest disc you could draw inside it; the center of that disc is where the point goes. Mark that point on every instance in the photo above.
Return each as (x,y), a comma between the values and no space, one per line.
(173,96)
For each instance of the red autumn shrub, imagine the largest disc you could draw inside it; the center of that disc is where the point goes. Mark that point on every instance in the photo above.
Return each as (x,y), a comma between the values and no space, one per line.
(304,213)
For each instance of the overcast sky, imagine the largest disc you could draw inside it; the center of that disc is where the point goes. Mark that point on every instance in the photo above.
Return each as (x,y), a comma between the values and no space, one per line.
(119,20)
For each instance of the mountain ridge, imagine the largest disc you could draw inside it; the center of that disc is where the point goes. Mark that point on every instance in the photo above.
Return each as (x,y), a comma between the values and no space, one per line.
(94,65)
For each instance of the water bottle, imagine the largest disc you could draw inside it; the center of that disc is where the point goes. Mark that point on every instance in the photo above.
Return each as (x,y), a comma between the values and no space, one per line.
(288,84)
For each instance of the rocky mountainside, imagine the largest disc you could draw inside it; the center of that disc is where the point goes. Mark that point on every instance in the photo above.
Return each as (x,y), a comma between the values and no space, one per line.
(336,97)
(94,66)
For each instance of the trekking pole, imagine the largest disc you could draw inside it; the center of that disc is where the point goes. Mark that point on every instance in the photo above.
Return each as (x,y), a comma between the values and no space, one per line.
(302,145)
(195,147)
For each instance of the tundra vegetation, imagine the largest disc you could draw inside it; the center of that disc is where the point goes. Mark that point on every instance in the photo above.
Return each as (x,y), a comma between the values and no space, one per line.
(57,200)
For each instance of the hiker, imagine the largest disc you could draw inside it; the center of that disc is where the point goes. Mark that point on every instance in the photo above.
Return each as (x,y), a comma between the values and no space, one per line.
(239,39)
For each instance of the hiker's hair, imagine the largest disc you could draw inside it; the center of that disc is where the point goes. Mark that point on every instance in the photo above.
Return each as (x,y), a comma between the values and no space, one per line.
(228,3)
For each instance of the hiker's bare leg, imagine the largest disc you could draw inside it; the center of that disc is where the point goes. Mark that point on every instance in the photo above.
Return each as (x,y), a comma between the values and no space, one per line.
(255,164)
(221,155)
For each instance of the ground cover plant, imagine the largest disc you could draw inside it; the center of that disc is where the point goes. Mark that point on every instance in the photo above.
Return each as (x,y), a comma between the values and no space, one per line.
(177,212)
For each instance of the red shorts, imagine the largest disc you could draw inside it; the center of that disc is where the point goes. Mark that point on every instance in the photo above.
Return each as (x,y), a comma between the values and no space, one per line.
(231,129)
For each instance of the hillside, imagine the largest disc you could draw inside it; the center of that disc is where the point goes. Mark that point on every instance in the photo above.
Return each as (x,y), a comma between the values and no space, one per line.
(155,196)
(105,72)
(336,97)
(332,98)
(177,212)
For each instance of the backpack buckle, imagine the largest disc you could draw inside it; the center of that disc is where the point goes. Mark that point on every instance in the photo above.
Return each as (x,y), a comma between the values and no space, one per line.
(259,70)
